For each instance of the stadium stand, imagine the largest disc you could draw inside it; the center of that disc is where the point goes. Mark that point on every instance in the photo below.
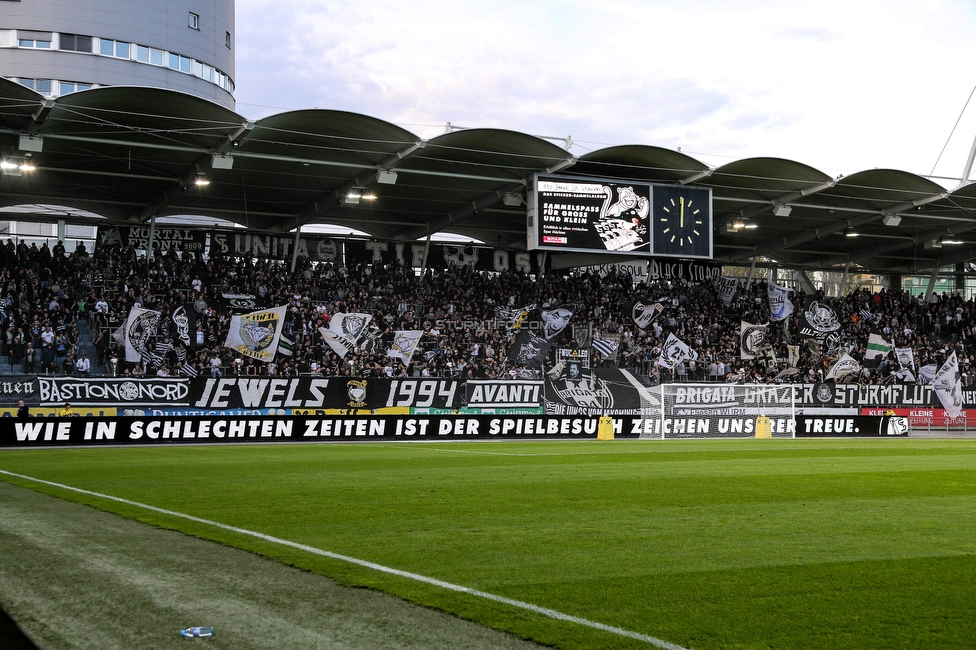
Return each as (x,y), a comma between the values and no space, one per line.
(58,307)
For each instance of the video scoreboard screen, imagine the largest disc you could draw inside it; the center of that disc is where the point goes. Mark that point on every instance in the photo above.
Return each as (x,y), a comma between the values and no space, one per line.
(598,216)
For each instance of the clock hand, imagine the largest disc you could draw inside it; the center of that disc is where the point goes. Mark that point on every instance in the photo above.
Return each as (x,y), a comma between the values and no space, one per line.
(681,222)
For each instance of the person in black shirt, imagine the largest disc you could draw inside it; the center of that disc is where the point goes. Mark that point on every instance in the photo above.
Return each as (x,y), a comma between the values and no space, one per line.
(23,411)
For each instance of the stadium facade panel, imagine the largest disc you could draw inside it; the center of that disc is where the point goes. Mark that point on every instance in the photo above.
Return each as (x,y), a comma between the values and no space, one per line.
(60,46)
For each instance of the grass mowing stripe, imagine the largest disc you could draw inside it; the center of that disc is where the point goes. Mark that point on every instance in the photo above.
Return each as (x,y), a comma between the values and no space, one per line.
(544,611)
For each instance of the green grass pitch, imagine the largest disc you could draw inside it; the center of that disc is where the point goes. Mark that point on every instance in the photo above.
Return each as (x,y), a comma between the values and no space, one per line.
(705,544)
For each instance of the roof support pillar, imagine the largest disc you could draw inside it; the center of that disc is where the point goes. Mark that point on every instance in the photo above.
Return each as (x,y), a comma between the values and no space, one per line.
(152,236)
(843,282)
(752,270)
(294,247)
(932,280)
(423,270)
(805,282)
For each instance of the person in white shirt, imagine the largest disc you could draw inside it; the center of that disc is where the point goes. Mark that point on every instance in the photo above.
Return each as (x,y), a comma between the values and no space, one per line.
(83,365)
(215,366)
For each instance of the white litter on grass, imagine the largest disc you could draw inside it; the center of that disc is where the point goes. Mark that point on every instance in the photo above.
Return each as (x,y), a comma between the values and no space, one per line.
(544,611)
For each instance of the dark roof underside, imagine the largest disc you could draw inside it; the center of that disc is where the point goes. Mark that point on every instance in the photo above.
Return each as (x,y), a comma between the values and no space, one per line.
(129,153)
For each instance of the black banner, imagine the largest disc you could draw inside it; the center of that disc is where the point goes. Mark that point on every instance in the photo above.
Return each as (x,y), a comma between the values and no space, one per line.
(608,391)
(442,256)
(864,396)
(97,391)
(18,387)
(819,321)
(164,239)
(148,430)
(233,243)
(854,426)
(324,393)
(37,432)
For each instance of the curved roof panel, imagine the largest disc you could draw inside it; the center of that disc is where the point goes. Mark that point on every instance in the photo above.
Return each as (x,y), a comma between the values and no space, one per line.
(131,153)
(640,162)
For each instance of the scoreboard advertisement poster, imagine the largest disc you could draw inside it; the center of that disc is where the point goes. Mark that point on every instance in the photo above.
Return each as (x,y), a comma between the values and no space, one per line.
(632,218)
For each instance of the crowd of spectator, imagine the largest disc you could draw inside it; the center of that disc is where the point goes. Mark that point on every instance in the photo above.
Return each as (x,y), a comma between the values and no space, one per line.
(47,294)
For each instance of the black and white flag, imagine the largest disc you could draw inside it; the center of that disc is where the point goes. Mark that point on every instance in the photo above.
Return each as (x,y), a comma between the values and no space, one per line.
(780,305)
(752,339)
(528,350)
(948,386)
(675,351)
(726,288)
(644,313)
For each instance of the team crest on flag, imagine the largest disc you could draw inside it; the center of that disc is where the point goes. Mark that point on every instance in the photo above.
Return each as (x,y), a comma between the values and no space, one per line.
(528,350)
(643,313)
(345,331)
(752,338)
(405,342)
(256,335)
(356,390)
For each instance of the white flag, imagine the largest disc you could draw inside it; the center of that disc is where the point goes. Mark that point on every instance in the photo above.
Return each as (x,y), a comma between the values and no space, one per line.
(345,330)
(906,358)
(675,351)
(846,365)
(752,338)
(256,335)
(948,386)
(405,342)
(780,305)
(139,327)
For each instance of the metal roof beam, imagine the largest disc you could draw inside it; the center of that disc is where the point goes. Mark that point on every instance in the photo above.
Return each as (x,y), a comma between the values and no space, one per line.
(465,211)
(901,244)
(328,203)
(784,199)
(837,226)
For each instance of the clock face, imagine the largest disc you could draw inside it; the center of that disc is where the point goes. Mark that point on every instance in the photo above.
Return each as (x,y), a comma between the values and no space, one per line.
(682,221)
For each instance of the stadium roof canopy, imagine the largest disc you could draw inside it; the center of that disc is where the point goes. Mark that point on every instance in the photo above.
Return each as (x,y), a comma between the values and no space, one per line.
(126,154)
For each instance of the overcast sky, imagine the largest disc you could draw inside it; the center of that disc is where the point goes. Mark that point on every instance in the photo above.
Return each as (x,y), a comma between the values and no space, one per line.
(842,85)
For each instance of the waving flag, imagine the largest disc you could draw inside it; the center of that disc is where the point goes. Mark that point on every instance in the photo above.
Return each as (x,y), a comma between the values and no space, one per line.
(345,330)
(780,305)
(256,335)
(877,347)
(948,386)
(405,342)
(139,327)
(675,351)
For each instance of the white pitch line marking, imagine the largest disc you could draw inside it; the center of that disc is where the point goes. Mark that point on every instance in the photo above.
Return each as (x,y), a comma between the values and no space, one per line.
(544,611)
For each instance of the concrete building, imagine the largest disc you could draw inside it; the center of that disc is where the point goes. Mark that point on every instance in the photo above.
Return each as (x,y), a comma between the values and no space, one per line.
(61,46)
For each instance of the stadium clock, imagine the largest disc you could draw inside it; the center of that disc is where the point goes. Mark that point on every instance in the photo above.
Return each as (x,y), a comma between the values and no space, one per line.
(682,221)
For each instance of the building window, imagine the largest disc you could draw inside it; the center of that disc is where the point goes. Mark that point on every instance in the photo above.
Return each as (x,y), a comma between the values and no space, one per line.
(177,62)
(227,39)
(75,43)
(28,42)
(194,21)
(42,86)
(155,56)
(118,49)
(65,87)
(142,54)
(39,40)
